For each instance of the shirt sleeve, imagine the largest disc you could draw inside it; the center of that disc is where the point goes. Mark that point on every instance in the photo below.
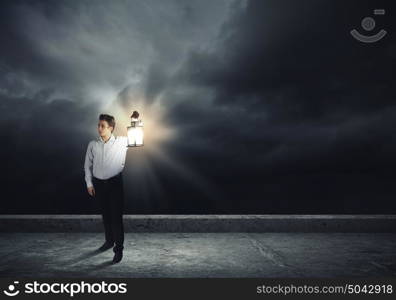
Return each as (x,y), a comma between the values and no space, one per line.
(88,165)
(125,141)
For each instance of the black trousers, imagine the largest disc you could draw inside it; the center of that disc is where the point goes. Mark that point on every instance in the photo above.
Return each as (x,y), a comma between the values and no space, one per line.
(110,193)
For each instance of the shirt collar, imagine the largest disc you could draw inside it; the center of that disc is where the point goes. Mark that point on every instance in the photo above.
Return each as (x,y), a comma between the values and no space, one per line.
(111,139)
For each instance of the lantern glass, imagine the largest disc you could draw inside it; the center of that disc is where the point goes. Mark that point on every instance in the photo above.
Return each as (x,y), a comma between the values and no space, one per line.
(135,134)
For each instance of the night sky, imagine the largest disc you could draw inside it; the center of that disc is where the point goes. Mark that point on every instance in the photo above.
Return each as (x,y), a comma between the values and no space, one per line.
(250,107)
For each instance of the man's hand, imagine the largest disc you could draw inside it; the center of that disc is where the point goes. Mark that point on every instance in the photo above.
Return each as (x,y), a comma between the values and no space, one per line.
(91,191)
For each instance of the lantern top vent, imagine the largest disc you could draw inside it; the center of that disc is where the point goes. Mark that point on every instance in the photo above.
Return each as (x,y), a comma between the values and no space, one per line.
(135,119)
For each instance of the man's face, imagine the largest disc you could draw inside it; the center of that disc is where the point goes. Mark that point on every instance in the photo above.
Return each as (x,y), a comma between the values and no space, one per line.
(104,129)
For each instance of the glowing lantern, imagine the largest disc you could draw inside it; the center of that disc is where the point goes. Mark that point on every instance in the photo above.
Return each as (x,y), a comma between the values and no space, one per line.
(135,131)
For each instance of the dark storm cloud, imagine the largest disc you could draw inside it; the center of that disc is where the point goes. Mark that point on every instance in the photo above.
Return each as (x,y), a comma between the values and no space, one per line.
(298,68)
(287,76)
(287,99)
(95,49)
(43,149)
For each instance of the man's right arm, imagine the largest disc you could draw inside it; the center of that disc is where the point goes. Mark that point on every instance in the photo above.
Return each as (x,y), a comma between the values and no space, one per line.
(88,168)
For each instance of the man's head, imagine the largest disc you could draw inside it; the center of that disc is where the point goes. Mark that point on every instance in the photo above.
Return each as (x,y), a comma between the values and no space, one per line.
(106,125)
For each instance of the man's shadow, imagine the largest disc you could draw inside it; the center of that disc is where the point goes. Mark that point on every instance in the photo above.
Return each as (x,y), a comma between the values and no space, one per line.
(88,255)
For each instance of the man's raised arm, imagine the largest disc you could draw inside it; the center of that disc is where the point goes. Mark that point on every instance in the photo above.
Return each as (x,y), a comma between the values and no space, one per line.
(125,141)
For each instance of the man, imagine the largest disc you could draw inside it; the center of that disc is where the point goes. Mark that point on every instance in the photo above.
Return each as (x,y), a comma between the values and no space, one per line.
(104,163)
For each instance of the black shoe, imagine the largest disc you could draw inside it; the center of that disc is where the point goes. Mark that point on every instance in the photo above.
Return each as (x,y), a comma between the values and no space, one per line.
(117,256)
(106,246)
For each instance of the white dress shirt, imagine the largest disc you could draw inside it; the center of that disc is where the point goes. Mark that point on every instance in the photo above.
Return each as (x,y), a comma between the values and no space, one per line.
(105,159)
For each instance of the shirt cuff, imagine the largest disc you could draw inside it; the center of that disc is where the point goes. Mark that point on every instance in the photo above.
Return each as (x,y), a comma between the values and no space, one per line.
(89,184)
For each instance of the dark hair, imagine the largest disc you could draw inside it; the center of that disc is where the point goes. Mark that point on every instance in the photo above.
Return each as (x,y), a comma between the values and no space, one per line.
(109,119)
(135,115)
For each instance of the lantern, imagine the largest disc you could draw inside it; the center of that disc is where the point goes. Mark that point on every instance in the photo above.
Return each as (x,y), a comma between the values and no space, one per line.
(135,132)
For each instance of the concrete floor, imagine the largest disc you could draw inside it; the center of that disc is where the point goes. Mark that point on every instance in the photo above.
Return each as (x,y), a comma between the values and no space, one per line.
(200,255)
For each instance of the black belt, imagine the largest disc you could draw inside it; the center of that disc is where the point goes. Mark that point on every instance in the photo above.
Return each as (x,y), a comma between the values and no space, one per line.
(111,179)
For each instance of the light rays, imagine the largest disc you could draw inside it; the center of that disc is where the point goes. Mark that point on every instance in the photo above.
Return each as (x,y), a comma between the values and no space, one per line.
(142,181)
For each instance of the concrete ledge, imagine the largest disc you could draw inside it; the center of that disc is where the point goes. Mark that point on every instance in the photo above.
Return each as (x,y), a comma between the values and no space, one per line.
(202,223)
